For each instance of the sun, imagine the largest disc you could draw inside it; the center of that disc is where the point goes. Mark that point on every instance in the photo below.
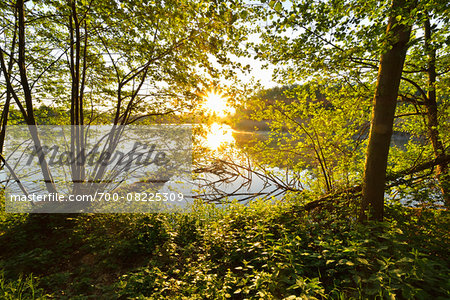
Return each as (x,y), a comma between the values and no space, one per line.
(216,103)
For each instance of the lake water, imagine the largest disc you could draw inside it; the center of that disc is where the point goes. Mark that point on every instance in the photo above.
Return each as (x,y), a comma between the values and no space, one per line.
(224,171)
(231,173)
(226,144)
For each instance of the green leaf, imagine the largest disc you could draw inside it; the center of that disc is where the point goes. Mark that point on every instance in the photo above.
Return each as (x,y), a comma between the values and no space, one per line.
(278,6)
(363,261)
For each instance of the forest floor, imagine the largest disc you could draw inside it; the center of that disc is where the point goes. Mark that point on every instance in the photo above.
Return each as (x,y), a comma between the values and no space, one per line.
(263,250)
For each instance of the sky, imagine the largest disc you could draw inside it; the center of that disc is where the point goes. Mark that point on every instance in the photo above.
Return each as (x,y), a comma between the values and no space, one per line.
(258,73)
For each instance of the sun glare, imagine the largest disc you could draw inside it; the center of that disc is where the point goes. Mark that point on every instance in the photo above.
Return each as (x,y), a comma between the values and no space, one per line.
(219,135)
(216,103)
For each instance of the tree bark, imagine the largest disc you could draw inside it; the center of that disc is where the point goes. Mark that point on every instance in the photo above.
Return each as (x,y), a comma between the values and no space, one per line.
(76,115)
(432,115)
(384,103)
(31,122)
(5,112)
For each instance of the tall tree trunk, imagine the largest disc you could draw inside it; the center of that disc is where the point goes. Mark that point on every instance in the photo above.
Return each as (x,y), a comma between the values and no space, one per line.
(5,112)
(384,103)
(431,106)
(31,122)
(78,76)
(74,32)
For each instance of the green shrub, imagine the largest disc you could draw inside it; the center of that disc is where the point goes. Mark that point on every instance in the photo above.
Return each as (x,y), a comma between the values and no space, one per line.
(22,288)
(266,249)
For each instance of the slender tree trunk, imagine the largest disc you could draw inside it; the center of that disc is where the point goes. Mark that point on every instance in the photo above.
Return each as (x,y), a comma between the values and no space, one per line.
(78,80)
(5,112)
(4,120)
(431,106)
(29,100)
(384,103)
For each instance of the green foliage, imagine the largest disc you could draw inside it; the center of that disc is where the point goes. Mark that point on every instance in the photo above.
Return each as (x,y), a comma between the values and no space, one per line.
(266,249)
(320,129)
(22,288)
(262,250)
(328,52)
(170,49)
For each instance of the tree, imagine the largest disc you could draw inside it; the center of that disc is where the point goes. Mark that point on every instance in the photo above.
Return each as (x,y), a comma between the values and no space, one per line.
(385,102)
(316,132)
(341,42)
(113,62)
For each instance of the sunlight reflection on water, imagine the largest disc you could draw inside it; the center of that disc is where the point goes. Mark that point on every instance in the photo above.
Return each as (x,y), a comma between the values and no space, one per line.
(219,135)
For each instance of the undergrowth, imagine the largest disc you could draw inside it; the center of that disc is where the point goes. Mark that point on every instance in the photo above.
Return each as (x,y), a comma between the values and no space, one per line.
(263,250)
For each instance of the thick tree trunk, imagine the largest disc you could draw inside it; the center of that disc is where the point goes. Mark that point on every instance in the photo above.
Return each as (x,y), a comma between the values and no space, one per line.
(384,103)
(432,116)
